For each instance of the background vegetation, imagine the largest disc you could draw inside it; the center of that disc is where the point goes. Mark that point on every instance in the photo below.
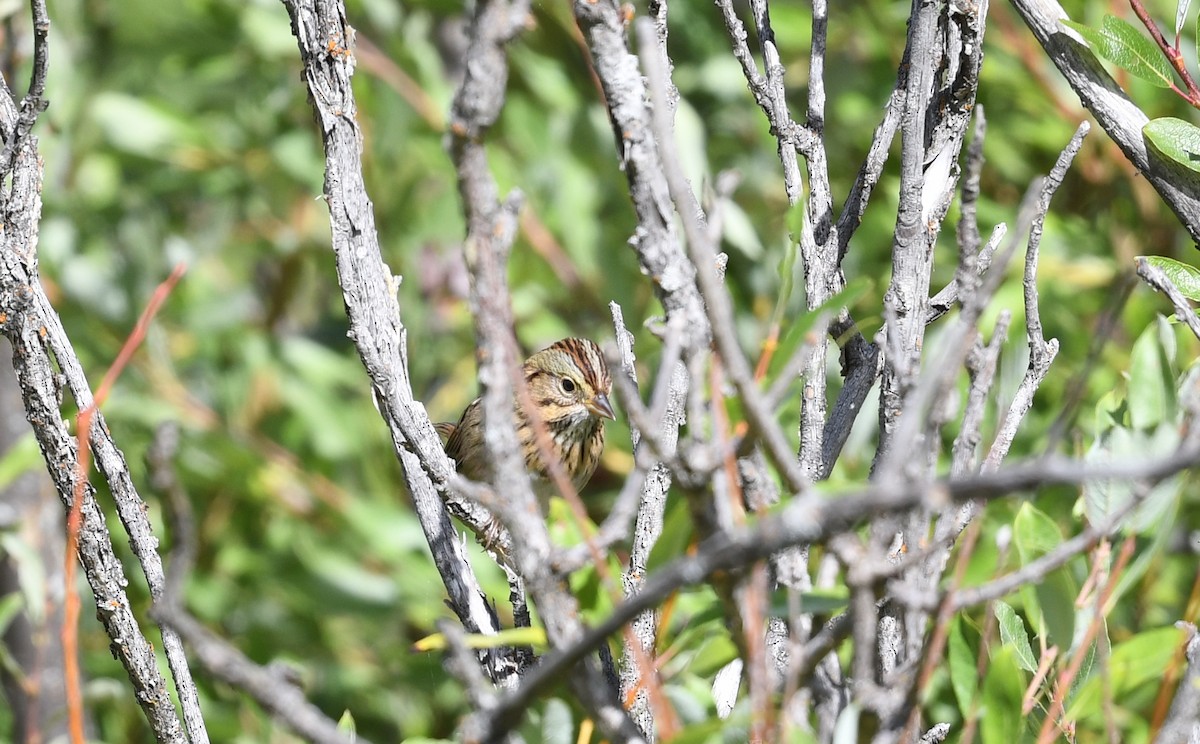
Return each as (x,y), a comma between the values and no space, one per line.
(180,132)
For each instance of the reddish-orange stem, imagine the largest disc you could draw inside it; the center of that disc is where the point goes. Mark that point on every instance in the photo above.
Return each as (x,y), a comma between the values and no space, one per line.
(83,440)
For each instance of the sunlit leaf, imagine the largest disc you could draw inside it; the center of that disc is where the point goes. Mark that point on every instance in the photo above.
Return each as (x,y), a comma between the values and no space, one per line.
(535,637)
(1012,633)
(1124,45)
(1151,386)
(845,731)
(1185,277)
(825,601)
(713,654)
(799,328)
(1035,534)
(738,230)
(558,725)
(1176,139)
(347,726)
(10,605)
(1141,660)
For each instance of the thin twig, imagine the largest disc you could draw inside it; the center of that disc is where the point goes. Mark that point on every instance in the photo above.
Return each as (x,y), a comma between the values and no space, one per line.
(1041,351)
(374,316)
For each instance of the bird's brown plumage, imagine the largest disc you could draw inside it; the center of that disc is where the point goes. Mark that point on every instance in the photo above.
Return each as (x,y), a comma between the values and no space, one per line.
(569,385)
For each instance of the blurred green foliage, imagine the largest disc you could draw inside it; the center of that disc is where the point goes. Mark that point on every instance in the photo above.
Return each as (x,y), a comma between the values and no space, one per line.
(180,132)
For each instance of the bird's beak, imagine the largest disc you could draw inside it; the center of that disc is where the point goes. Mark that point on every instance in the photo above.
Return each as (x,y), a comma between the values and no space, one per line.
(599,406)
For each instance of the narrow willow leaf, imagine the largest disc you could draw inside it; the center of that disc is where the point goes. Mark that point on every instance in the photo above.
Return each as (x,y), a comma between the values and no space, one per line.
(799,327)
(1186,278)
(1137,53)
(1135,662)
(1122,44)
(1036,534)
(963,675)
(1012,633)
(535,637)
(845,731)
(713,654)
(1175,139)
(346,725)
(1003,688)
(1151,391)
(825,601)
(558,726)
(1181,15)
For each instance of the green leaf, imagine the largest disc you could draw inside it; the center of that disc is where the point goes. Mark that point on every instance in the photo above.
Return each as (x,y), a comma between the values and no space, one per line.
(1103,499)
(825,601)
(787,279)
(738,230)
(691,138)
(535,637)
(1141,660)
(703,732)
(1056,597)
(800,327)
(31,573)
(20,458)
(1176,139)
(1124,45)
(845,731)
(141,126)
(1170,347)
(795,221)
(1181,10)
(1035,534)
(963,673)
(10,605)
(1089,660)
(1151,385)
(1003,690)
(557,724)
(346,725)
(1012,633)
(676,534)
(1160,508)
(1185,277)
(713,654)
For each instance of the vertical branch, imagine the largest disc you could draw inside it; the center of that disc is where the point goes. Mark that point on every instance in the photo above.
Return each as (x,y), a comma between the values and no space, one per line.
(24,326)
(656,240)
(369,292)
(36,333)
(635,687)
(818,247)
(491,229)
(908,293)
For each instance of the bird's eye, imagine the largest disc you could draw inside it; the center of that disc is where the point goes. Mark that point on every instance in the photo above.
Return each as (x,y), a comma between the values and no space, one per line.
(568,385)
